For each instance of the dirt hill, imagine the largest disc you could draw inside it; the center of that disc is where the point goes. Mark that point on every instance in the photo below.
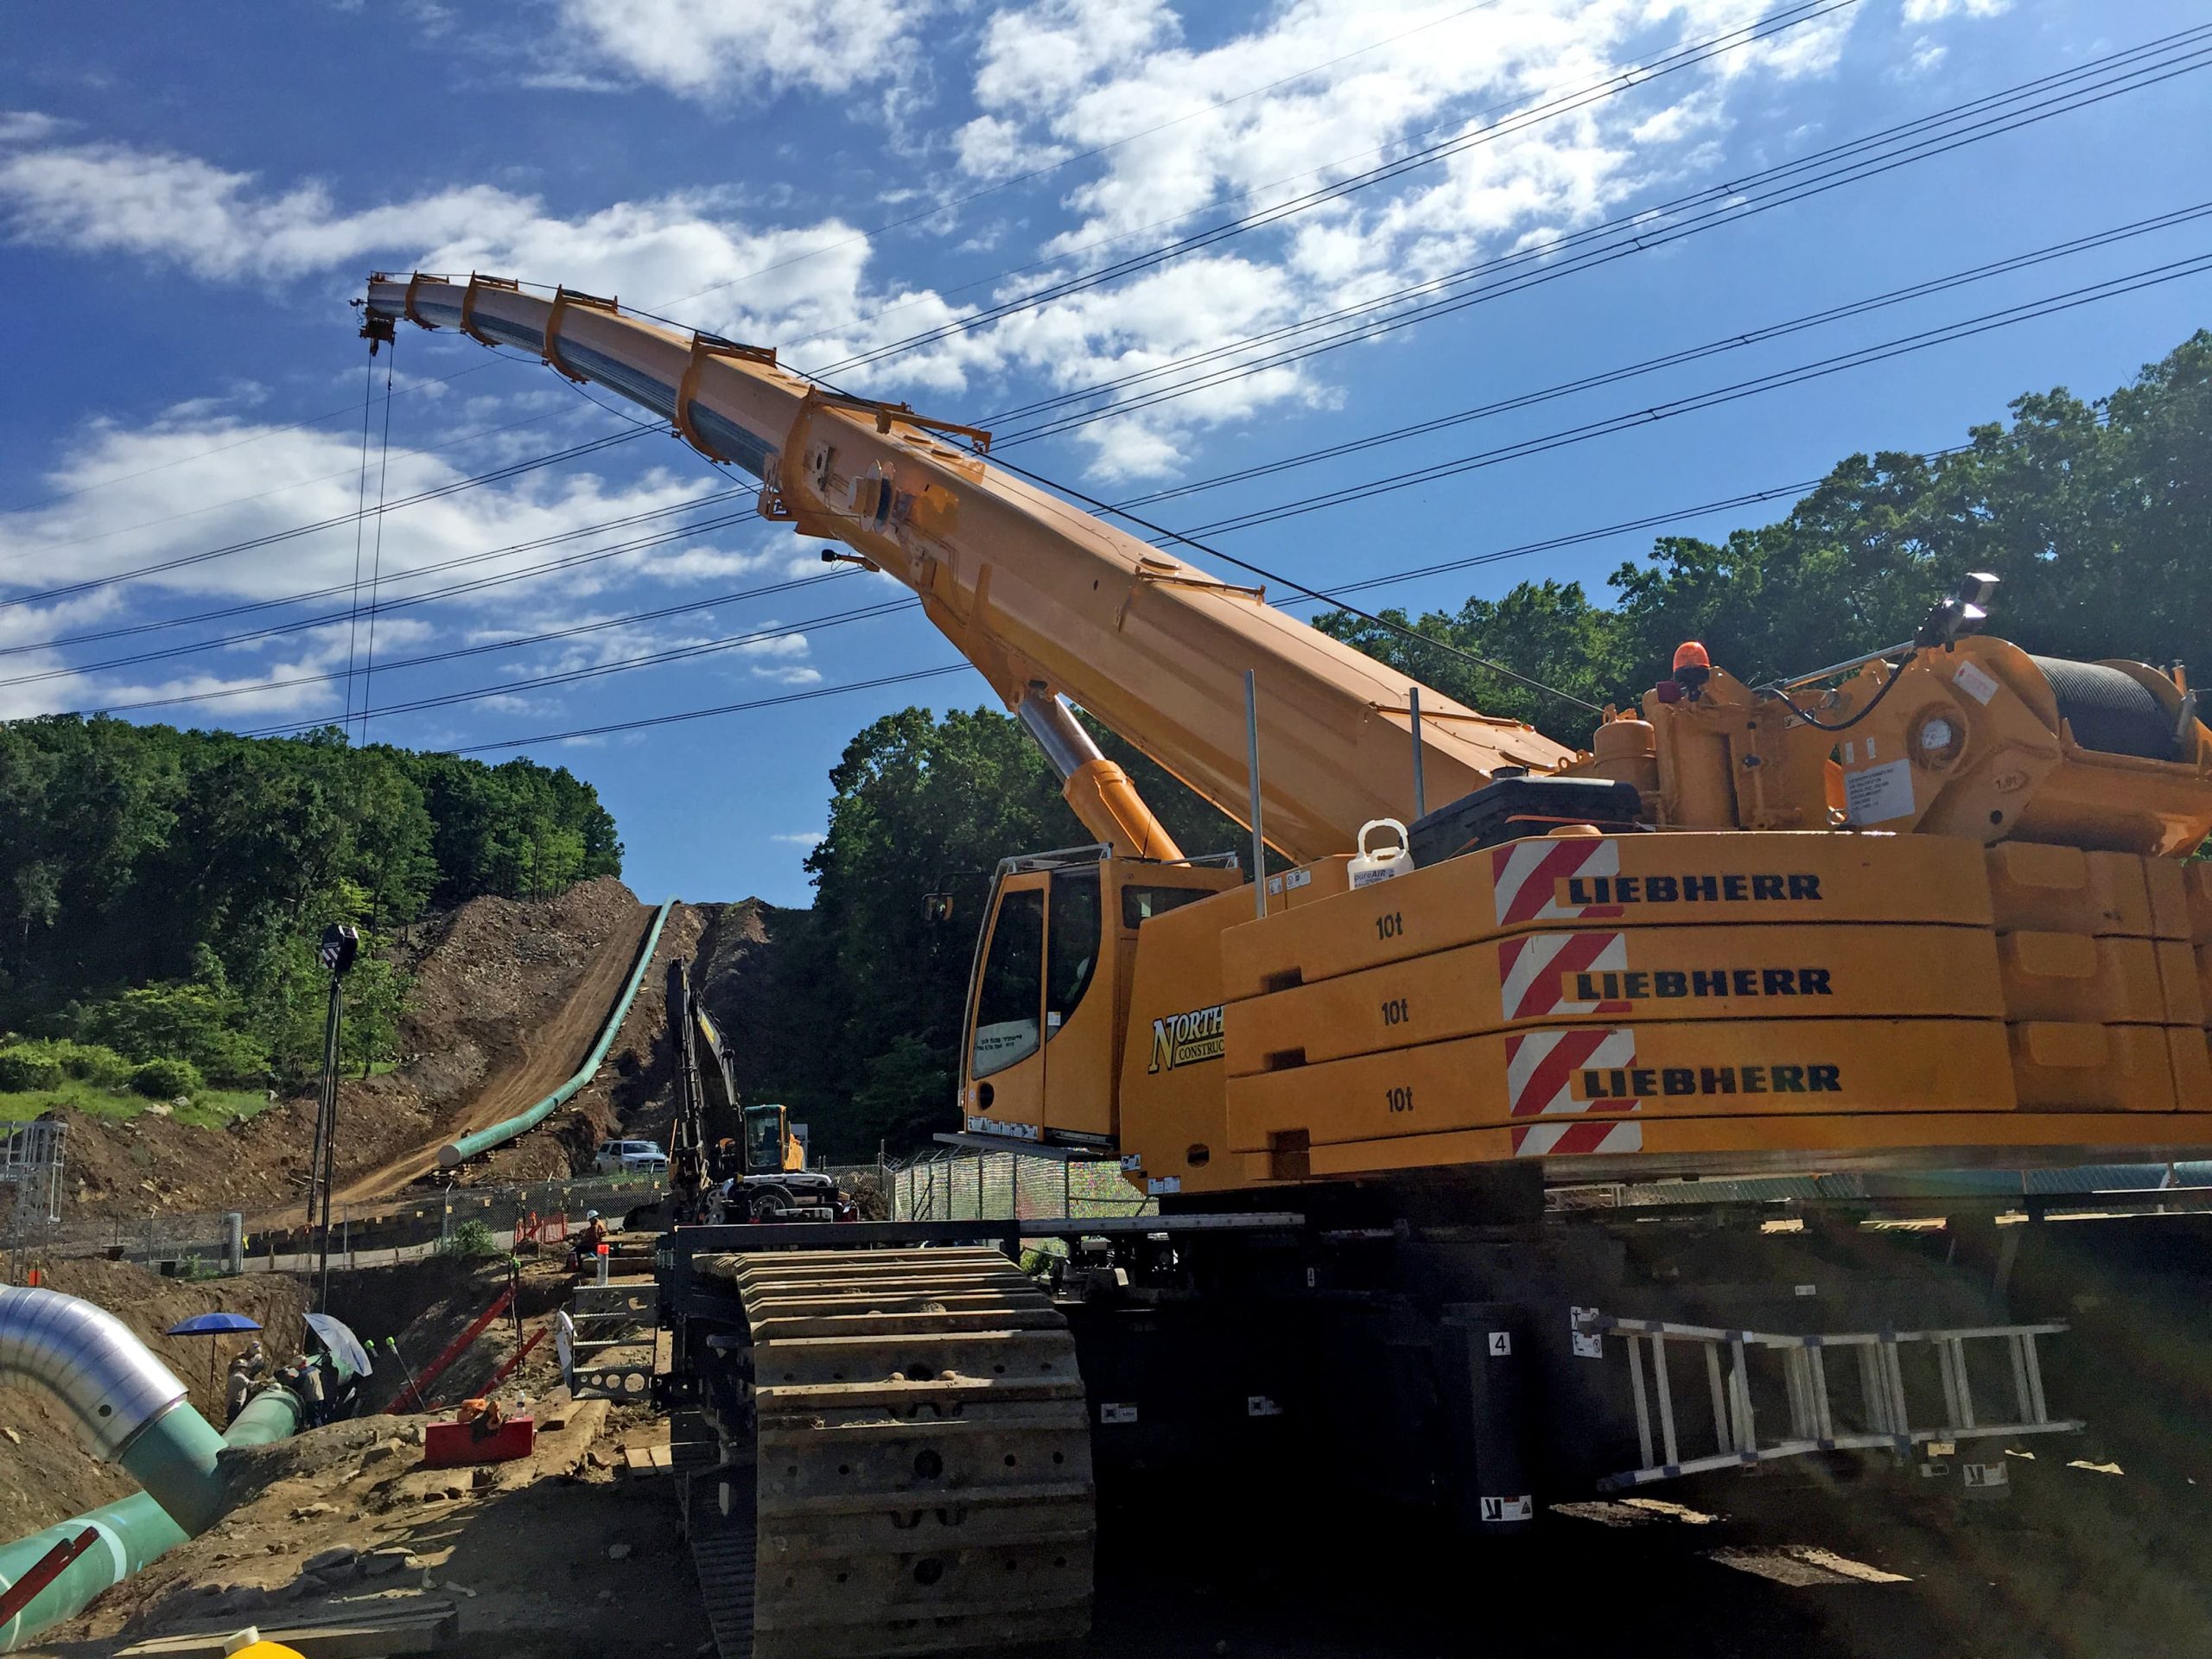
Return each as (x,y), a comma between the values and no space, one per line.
(487,977)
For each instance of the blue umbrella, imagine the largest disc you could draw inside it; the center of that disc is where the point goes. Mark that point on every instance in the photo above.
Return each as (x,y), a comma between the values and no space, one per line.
(212,1325)
(339,1342)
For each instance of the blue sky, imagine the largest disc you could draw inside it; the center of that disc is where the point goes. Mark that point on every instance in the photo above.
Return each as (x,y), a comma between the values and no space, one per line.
(189,197)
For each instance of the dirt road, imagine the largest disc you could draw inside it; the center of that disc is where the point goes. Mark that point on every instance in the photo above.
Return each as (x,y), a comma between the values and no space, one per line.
(548,1055)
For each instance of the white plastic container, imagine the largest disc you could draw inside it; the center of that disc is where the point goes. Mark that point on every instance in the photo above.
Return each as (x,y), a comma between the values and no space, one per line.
(1368,868)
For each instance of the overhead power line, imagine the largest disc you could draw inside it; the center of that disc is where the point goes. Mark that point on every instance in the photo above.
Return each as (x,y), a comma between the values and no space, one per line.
(1351,446)
(599,670)
(598,625)
(250,607)
(937,209)
(113,531)
(1624,236)
(1494,556)
(256,436)
(788,697)
(497,475)
(1675,359)
(1612,85)
(1964,329)
(1922,341)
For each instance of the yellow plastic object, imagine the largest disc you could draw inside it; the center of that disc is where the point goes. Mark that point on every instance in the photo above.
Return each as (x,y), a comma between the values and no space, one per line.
(257,1648)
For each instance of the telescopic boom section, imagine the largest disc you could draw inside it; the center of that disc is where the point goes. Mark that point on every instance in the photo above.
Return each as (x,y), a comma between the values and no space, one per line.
(1046,601)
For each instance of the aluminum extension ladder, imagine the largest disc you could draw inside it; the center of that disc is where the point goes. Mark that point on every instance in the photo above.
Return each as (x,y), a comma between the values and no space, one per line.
(1883,1420)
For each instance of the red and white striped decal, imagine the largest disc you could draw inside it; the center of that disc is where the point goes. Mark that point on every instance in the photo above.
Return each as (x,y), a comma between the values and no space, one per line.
(1540,1068)
(1548,1139)
(1533,969)
(1525,874)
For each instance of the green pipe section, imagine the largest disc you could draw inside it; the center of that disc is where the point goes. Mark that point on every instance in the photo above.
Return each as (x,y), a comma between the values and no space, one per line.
(460,1151)
(132,1531)
(173,1459)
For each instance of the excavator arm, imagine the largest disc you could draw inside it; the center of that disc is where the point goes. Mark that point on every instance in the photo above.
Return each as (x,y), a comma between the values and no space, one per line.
(1050,604)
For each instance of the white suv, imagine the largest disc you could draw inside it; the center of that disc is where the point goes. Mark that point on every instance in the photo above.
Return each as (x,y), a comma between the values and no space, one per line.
(622,1157)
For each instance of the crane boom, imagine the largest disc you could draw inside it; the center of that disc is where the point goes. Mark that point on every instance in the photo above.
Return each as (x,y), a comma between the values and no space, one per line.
(1050,603)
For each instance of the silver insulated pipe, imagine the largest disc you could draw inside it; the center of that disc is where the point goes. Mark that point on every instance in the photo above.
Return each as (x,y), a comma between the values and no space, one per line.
(129,1407)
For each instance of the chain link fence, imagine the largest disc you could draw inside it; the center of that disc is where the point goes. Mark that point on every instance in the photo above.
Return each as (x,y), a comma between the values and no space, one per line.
(362,1235)
(962,1185)
(950,1185)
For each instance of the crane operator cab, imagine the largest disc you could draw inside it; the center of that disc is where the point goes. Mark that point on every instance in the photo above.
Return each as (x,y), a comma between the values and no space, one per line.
(1048,1001)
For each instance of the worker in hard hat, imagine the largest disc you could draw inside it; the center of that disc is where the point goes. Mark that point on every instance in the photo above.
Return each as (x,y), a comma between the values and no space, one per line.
(239,1387)
(585,1246)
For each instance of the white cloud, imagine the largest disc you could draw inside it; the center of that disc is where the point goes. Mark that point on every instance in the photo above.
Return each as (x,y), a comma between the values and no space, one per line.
(1929,11)
(167,511)
(1187,143)
(801,838)
(26,127)
(708,49)
(1184,142)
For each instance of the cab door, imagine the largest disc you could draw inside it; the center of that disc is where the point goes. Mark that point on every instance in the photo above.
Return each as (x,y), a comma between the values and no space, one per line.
(1002,1090)
(1082,1021)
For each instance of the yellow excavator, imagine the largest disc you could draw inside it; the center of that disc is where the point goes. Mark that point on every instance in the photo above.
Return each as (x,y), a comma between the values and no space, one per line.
(1930,909)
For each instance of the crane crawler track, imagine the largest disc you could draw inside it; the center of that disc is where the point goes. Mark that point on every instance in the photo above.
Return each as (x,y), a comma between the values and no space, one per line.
(922,1477)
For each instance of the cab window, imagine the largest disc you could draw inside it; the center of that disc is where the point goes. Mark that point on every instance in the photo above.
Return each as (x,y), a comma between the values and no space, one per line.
(1007,1003)
(1071,944)
(1141,903)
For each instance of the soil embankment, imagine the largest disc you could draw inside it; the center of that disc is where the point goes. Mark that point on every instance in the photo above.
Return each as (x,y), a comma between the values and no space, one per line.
(543,1055)
(502,990)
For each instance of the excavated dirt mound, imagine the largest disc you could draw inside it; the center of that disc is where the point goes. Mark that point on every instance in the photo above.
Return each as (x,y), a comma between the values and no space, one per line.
(634,1089)
(45,1475)
(491,979)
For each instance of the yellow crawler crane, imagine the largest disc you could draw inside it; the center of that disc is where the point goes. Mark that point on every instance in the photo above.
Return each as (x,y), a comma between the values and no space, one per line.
(1929,909)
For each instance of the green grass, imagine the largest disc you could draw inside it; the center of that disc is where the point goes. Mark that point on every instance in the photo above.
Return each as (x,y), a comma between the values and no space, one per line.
(213,1108)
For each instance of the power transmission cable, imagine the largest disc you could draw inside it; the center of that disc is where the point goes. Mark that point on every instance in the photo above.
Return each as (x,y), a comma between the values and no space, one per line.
(938,208)
(1676,359)
(54,546)
(360,521)
(250,607)
(1587,250)
(644,426)
(779,702)
(1613,84)
(304,421)
(1439,422)
(1172,534)
(376,563)
(497,475)
(1965,329)
(521,642)
(599,670)
(1626,527)
(1164,536)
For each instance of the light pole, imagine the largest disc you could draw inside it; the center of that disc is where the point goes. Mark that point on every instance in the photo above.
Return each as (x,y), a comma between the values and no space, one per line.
(339,947)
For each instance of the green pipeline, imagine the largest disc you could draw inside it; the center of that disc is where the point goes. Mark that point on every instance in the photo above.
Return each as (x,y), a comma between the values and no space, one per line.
(134,1530)
(460,1151)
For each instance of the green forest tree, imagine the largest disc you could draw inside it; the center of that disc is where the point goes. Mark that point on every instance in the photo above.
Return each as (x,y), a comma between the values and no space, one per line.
(2097,515)
(163,889)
